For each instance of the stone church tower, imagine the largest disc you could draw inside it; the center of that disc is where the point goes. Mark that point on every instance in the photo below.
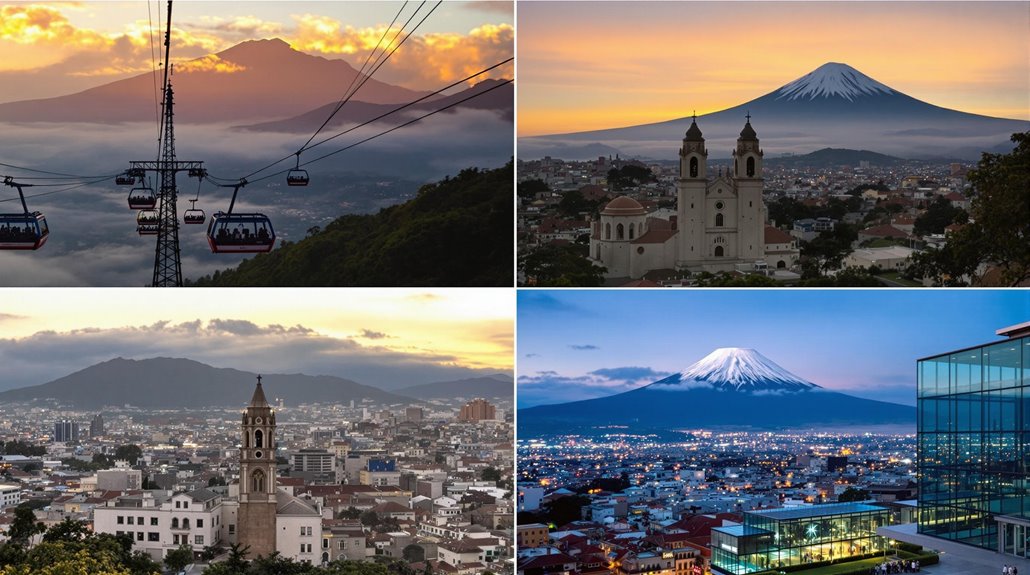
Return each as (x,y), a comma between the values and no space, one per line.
(257,477)
(722,220)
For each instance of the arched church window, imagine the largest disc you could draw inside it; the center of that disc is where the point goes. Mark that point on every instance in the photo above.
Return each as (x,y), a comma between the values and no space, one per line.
(607,231)
(751,167)
(718,251)
(620,232)
(258,437)
(185,523)
(175,522)
(258,481)
(693,167)
(781,264)
(631,231)
(718,220)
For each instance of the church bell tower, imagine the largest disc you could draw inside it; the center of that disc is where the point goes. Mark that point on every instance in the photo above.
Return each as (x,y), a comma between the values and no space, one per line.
(749,181)
(691,190)
(257,476)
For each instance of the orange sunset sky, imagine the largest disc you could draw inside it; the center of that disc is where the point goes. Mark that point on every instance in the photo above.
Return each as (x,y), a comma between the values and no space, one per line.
(55,48)
(593,65)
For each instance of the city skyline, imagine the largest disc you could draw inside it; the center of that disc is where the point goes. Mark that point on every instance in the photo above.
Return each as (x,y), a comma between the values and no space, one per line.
(419,336)
(571,80)
(55,49)
(584,344)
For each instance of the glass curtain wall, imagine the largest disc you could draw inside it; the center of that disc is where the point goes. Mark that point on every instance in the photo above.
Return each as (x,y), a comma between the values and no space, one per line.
(974,441)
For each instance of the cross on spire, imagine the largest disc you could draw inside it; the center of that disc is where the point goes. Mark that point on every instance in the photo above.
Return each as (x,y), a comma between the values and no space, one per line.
(694,117)
(748,116)
(259,380)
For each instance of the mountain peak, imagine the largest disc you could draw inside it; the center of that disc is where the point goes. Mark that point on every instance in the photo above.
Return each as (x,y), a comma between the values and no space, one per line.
(832,79)
(738,369)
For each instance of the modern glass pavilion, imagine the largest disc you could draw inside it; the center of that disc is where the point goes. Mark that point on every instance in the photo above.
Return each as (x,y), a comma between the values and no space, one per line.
(974,444)
(781,537)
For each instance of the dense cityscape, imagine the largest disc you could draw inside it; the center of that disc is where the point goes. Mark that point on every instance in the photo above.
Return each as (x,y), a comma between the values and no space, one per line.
(426,485)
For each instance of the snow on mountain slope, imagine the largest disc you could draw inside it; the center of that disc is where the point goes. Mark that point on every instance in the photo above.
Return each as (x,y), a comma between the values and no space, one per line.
(738,369)
(832,79)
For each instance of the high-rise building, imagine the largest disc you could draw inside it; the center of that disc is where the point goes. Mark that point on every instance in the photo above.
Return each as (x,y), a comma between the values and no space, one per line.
(318,464)
(66,431)
(414,414)
(974,444)
(96,426)
(973,455)
(477,410)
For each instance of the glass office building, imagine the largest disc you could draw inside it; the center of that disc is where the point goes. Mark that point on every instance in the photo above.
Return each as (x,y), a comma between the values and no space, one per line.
(781,537)
(974,444)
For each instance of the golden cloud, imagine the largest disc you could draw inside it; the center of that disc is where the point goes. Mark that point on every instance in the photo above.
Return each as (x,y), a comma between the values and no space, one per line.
(209,63)
(422,61)
(37,23)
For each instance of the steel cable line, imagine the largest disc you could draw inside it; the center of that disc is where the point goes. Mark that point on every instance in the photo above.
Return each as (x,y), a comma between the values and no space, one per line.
(153,64)
(367,122)
(364,80)
(13,167)
(347,93)
(52,192)
(393,129)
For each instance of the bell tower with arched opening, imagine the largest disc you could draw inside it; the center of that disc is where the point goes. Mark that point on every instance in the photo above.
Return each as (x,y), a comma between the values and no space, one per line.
(257,476)
(690,196)
(749,181)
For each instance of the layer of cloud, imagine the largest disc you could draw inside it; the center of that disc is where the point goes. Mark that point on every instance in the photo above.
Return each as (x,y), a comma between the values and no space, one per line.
(583,347)
(226,342)
(546,387)
(369,334)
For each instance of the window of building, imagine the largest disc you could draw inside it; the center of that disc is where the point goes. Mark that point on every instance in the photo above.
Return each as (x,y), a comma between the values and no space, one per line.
(175,522)
(325,544)
(718,220)
(198,539)
(139,521)
(153,520)
(178,504)
(718,251)
(185,504)
(751,167)
(620,232)
(131,519)
(258,438)
(341,544)
(200,523)
(120,520)
(153,536)
(185,523)
(631,231)
(139,536)
(232,528)
(258,481)
(693,167)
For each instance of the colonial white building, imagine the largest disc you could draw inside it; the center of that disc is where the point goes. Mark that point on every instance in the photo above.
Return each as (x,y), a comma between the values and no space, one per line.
(159,521)
(720,222)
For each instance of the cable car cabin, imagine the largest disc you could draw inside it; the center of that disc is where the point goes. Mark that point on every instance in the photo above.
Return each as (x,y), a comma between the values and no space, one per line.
(125,180)
(193,216)
(147,217)
(23,231)
(240,233)
(147,229)
(297,178)
(142,199)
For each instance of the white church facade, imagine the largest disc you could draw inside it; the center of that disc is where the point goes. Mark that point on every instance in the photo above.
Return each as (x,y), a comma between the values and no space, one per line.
(720,223)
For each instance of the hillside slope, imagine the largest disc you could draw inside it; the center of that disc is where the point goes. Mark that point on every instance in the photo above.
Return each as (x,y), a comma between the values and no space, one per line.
(457,232)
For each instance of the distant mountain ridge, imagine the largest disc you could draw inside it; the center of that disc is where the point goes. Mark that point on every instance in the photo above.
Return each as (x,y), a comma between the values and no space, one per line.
(828,157)
(171,383)
(730,388)
(500,100)
(490,387)
(259,80)
(835,105)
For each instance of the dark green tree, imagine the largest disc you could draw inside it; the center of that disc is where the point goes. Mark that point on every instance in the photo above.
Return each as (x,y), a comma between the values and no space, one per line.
(413,553)
(530,188)
(369,518)
(853,494)
(939,214)
(24,526)
(178,558)
(561,266)
(490,474)
(131,453)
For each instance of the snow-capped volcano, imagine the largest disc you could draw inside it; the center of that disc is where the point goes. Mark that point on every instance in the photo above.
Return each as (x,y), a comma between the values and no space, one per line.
(737,369)
(833,106)
(832,79)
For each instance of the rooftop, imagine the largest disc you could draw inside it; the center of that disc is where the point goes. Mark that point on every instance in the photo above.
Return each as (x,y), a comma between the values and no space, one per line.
(817,511)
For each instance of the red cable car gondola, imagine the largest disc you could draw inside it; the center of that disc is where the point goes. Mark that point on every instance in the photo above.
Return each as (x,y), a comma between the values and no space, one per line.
(142,199)
(124,180)
(194,215)
(240,233)
(297,178)
(24,231)
(27,231)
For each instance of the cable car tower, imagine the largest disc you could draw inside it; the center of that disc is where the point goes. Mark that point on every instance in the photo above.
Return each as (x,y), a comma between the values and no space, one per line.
(167,266)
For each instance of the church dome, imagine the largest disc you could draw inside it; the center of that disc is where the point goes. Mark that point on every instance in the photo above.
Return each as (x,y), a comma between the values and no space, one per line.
(623,206)
(748,133)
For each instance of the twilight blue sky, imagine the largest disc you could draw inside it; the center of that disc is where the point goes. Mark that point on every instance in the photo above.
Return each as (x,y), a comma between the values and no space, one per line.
(578,344)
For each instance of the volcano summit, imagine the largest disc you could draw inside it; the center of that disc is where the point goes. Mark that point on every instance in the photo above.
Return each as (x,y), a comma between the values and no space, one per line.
(833,106)
(729,388)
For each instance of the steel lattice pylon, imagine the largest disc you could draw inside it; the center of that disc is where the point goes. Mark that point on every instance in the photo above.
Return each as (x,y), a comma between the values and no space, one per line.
(167,267)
